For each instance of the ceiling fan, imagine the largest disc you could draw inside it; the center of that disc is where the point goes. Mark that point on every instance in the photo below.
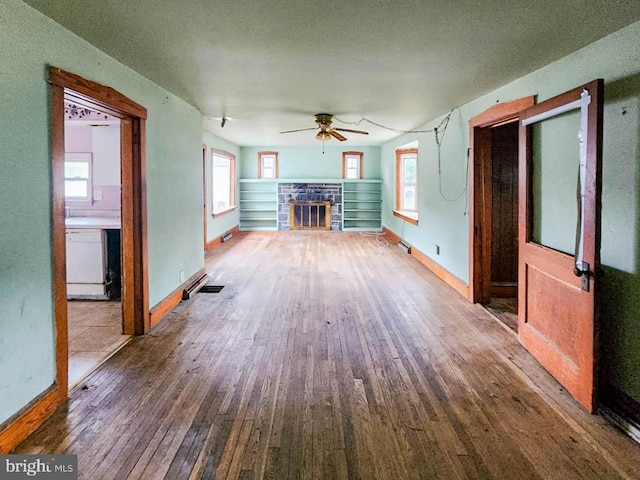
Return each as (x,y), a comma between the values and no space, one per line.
(326,130)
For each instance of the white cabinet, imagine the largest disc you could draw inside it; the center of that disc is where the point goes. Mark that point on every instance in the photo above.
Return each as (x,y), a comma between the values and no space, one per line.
(86,260)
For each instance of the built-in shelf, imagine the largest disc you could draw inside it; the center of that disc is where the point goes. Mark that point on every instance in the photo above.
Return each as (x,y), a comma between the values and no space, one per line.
(361,203)
(258,205)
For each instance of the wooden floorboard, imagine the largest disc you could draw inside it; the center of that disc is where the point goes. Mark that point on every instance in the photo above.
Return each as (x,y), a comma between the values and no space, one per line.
(328,356)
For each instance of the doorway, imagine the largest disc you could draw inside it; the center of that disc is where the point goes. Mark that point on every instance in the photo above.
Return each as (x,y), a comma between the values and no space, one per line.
(134,311)
(93,212)
(503,302)
(494,146)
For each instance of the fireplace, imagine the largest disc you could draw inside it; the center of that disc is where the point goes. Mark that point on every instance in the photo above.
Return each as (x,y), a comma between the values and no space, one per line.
(309,215)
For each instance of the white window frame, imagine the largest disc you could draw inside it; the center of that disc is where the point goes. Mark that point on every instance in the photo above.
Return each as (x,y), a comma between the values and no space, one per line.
(265,171)
(406,213)
(85,158)
(352,165)
(229,204)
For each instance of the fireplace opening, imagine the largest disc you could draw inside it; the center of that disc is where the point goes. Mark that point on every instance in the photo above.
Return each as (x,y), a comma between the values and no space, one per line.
(309,215)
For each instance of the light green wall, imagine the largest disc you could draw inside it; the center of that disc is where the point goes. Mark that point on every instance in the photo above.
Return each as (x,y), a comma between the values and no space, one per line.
(614,58)
(310,162)
(29,42)
(219,225)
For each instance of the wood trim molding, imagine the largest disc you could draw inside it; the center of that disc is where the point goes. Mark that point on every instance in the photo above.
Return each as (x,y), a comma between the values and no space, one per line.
(218,240)
(275,163)
(160,310)
(479,289)
(393,238)
(25,422)
(106,98)
(442,273)
(406,218)
(501,113)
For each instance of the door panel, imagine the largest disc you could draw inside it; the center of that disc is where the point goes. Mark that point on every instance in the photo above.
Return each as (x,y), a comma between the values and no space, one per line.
(559,218)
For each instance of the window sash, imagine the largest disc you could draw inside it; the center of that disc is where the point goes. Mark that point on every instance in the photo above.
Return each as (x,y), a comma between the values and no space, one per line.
(221,182)
(407,181)
(77,177)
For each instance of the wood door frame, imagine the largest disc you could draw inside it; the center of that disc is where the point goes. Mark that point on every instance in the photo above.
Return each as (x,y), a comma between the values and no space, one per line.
(135,286)
(204,193)
(480,192)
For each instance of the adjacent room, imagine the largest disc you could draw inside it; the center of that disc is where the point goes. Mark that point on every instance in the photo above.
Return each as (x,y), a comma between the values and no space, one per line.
(302,241)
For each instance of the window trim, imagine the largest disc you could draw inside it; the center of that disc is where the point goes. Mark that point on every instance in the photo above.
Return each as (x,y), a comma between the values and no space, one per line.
(261,156)
(344,164)
(80,157)
(232,179)
(410,216)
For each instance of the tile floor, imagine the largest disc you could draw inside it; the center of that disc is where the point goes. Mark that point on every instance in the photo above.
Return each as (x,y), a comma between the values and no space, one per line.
(95,333)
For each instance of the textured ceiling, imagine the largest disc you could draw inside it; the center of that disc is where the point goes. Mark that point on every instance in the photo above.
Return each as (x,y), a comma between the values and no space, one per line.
(271,65)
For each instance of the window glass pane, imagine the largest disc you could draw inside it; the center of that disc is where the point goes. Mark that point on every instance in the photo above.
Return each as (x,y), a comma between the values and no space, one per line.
(267,162)
(409,197)
(352,173)
(409,168)
(221,173)
(554,174)
(76,169)
(76,188)
(267,172)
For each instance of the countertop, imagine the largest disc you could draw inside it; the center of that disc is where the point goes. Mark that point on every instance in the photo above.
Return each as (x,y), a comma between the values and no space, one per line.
(92,222)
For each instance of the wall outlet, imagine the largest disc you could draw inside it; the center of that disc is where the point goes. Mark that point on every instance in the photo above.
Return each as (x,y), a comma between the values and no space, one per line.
(97,195)
(437,249)
(181,276)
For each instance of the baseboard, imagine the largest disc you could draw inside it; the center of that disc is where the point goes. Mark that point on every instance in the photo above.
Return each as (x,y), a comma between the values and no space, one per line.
(158,312)
(441,272)
(393,238)
(620,409)
(25,422)
(218,240)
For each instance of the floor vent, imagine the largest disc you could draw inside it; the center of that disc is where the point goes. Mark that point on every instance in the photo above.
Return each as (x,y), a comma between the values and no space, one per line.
(226,237)
(211,289)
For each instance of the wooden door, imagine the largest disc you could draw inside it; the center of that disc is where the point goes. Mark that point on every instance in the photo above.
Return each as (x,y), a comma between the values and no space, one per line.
(559,231)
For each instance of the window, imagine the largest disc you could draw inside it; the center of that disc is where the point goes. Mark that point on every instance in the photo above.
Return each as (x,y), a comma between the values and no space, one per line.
(77,177)
(352,165)
(406,184)
(223,181)
(267,164)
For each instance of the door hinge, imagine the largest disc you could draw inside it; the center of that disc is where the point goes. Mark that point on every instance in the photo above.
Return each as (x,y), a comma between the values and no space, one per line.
(585,273)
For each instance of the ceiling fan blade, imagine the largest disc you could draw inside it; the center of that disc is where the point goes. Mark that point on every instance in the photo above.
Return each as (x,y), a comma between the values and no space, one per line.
(300,130)
(336,135)
(348,130)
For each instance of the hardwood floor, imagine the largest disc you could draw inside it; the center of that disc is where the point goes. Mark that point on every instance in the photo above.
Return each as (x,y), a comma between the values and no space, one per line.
(328,356)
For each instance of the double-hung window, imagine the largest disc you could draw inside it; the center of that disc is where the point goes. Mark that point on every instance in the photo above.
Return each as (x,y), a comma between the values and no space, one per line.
(352,165)
(267,164)
(406,184)
(77,177)
(222,181)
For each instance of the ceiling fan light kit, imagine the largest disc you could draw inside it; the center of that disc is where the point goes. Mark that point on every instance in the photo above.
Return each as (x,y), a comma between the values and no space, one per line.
(326,131)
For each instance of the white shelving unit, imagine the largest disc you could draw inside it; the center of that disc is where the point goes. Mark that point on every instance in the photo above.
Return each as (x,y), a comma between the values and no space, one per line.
(258,205)
(361,205)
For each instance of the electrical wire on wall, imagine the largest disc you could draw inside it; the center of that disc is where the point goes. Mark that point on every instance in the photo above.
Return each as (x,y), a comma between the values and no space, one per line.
(439,133)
